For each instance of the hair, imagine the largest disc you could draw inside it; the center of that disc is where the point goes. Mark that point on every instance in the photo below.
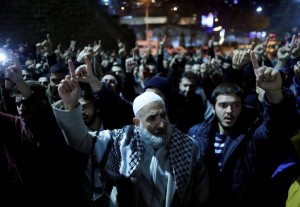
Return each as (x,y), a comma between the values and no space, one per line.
(59,68)
(119,80)
(226,88)
(87,94)
(37,88)
(189,75)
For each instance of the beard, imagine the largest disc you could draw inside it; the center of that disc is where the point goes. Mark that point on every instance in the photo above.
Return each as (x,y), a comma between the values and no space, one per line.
(89,121)
(155,141)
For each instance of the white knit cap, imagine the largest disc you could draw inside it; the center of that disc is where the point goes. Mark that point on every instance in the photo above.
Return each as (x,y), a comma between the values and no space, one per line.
(143,99)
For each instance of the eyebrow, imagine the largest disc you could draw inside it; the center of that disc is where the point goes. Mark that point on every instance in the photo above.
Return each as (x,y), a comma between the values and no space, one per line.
(229,102)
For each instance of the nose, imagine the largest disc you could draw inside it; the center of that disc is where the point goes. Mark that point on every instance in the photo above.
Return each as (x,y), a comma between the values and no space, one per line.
(229,109)
(21,107)
(188,88)
(162,123)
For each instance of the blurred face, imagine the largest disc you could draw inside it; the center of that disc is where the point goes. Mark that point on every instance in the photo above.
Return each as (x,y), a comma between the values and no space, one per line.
(227,109)
(111,81)
(55,79)
(166,64)
(22,111)
(105,63)
(226,65)
(187,86)
(187,67)
(196,68)
(44,81)
(117,71)
(146,72)
(89,112)
(26,75)
(204,70)
(22,49)
(155,127)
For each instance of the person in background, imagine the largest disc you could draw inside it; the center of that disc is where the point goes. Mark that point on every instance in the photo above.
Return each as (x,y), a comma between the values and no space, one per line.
(31,169)
(44,81)
(57,73)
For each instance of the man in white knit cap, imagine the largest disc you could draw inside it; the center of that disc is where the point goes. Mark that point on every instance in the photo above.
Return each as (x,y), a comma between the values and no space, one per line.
(151,163)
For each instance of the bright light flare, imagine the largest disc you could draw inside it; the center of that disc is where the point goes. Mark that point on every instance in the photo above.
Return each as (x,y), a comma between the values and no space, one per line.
(221,41)
(222,33)
(2,57)
(259,9)
(216,29)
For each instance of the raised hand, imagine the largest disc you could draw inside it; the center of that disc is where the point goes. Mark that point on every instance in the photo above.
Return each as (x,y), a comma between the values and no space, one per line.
(297,70)
(72,46)
(268,79)
(130,64)
(69,89)
(284,53)
(241,57)
(97,48)
(296,48)
(260,49)
(122,49)
(47,45)
(84,73)
(161,45)
(163,42)
(13,76)
(135,53)
(86,52)
(13,73)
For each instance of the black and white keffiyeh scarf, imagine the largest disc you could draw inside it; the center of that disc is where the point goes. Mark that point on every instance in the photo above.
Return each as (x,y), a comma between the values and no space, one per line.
(180,149)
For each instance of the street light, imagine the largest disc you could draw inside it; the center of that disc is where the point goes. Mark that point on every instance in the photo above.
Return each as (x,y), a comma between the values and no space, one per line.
(259,9)
(147,20)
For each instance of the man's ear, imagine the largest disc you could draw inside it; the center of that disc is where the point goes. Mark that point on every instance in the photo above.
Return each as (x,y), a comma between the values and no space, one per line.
(136,121)
(213,109)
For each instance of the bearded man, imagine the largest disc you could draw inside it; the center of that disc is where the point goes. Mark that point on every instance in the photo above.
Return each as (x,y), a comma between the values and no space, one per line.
(154,165)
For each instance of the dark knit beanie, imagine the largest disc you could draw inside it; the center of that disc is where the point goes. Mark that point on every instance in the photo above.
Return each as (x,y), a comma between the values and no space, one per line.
(59,68)
(161,83)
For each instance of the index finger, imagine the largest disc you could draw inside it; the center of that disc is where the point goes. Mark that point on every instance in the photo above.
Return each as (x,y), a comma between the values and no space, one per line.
(72,68)
(133,54)
(292,44)
(88,65)
(267,41)
(164,38)
(252,47)
(254,60)
(49,38)
(15,59)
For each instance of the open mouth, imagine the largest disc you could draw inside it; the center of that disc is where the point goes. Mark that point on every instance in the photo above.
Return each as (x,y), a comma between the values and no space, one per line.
(228,118)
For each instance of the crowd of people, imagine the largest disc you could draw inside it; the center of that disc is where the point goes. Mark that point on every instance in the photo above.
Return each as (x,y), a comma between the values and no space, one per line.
(92,128)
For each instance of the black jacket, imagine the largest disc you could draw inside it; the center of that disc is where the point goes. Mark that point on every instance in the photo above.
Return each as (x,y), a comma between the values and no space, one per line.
(253,149)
